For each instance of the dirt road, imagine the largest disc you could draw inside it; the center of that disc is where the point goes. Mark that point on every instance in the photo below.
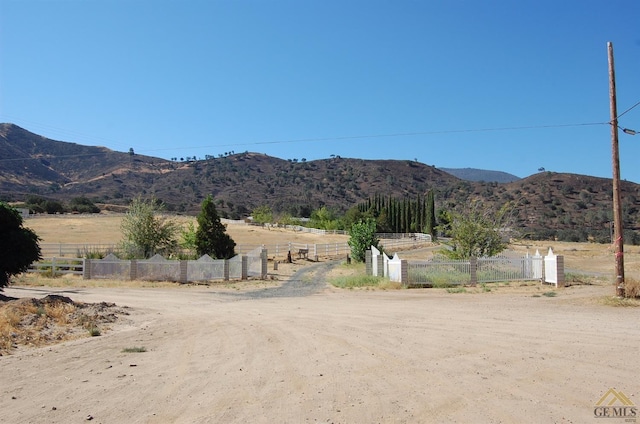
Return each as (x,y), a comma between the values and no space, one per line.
(310,353)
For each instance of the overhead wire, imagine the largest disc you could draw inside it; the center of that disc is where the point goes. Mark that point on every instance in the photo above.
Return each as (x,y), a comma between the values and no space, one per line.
(340,138)
(628,110)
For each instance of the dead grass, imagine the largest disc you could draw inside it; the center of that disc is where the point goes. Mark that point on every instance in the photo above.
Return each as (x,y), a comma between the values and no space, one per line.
(38,322)
(617,301)
(104,228)
(631,288)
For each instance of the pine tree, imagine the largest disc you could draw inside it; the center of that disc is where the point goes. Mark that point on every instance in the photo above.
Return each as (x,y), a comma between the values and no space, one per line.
(211,236)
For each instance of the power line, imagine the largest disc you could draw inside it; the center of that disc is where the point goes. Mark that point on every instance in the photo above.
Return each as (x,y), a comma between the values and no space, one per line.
(628,109)
(342,138)
(408,134)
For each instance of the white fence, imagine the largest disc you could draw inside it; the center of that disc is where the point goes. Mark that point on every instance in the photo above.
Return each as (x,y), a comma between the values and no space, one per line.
(390,242)
(548,269)
(158,268)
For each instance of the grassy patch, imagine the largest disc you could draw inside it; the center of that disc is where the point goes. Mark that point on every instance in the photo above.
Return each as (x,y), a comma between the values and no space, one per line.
(457,290)
(134,349)
(577,279)
(363,281)
(550,294)
(94,331)
(439,278)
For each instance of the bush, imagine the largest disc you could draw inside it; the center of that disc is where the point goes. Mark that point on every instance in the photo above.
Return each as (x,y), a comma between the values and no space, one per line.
(362,237)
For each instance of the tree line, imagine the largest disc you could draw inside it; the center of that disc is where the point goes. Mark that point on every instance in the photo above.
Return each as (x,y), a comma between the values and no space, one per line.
(404,215)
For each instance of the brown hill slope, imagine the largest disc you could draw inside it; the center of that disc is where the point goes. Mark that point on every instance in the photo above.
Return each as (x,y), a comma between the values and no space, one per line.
(546,203)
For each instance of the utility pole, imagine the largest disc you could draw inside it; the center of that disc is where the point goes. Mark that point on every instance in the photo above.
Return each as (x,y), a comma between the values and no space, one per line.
(618,234)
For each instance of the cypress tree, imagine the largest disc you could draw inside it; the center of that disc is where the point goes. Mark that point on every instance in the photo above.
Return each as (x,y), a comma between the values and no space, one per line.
(431,214)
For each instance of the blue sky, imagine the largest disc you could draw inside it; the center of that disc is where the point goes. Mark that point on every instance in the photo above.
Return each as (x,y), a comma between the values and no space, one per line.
(496,84)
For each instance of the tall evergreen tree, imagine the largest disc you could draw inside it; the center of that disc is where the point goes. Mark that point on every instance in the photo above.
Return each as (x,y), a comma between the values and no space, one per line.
(211,236)
(430,215)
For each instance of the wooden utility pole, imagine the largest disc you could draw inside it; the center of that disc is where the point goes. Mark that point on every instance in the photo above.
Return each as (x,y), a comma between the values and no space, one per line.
(618,234)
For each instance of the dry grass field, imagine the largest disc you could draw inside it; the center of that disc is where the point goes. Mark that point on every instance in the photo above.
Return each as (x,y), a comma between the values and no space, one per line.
(104,228)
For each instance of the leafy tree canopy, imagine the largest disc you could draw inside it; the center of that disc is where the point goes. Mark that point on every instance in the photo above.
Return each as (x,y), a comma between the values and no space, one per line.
(362,236)
(145,232)
(262,215)
(476,232)
(18,245)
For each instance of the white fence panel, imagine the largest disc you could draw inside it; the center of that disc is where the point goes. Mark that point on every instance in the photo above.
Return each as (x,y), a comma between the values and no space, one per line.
(551,268)
(158,268)
(205,268)
(111,268)
(395,269)
(536,266)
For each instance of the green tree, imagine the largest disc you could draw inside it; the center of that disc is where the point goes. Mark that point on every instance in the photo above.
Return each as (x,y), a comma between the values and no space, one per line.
(362,236)
(324,219)
(83,205)
(262,215)
(18,245)
(188,236)
(430,218)
(476,233)
(211,236)
(145,232)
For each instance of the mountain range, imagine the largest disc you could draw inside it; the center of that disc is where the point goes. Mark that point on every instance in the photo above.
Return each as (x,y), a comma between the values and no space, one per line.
(546,204)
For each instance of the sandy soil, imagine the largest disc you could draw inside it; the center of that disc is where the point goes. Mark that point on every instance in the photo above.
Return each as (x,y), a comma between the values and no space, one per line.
(217,355)
(237,353)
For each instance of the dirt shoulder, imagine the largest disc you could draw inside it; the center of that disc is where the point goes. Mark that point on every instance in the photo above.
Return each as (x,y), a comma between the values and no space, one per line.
(343,356)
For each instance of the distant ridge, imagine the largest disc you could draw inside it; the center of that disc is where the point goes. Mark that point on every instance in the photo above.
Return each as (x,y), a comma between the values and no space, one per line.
(546,205)
(478,175)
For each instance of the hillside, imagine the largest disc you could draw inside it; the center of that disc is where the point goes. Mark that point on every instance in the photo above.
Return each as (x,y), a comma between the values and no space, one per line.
(546,204)
(473,174)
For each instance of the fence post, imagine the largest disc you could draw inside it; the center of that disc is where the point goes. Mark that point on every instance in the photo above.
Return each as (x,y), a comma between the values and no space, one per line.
(368,261)
(473,267)
(226,269)
(133,270)
(244,272)
(404,272)
(184,270)
(86,269)
(380,263)
(560,270)
(265,264)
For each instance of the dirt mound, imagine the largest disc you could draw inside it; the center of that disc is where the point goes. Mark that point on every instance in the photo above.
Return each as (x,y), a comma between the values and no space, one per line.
(54,318)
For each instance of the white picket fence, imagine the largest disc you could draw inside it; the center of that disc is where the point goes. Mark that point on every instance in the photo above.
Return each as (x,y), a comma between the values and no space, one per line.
(548,269)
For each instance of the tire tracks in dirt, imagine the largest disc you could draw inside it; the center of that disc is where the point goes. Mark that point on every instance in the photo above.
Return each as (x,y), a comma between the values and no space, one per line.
(305,282)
